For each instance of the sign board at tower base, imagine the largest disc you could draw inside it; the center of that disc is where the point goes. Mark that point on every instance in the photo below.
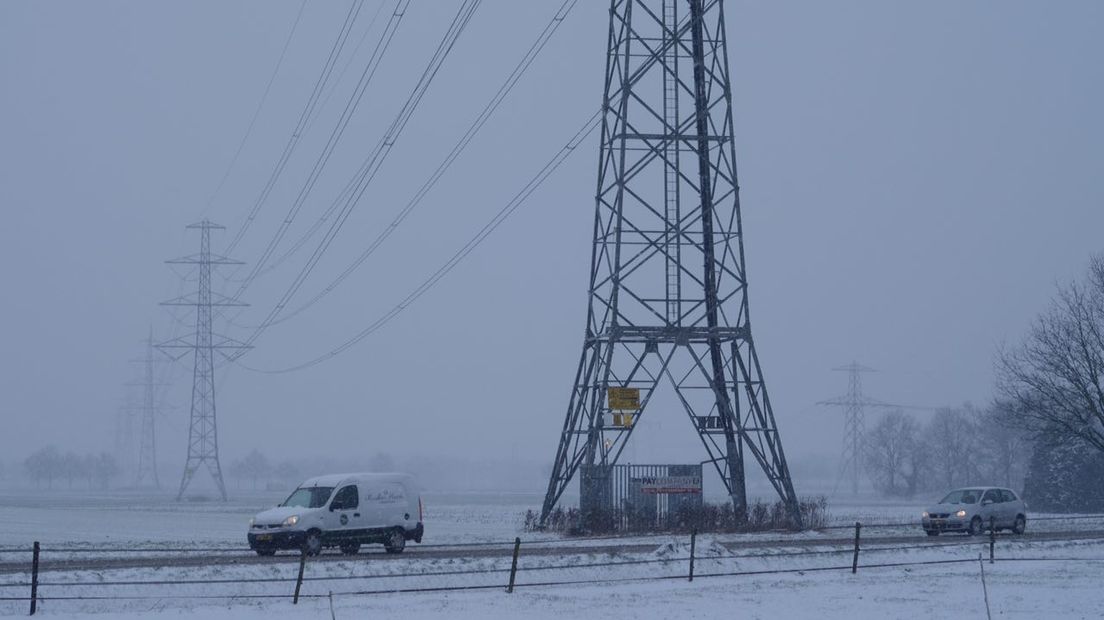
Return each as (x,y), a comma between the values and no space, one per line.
(670,485)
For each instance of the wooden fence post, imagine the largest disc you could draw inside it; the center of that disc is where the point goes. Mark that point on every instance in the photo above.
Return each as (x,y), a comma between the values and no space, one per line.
(34,578)
(513,566)
(299,581)
(855,560)
(693,545)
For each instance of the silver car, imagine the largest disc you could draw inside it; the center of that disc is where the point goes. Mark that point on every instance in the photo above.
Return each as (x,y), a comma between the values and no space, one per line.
(971,509)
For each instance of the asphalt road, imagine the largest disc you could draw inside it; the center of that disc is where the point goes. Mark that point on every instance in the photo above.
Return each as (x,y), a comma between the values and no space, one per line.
(14,563)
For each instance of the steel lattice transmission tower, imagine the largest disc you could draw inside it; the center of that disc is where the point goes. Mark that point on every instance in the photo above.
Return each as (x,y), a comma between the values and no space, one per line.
(668,287)
(854,405)
(204,344)
(147,450)
(854,421)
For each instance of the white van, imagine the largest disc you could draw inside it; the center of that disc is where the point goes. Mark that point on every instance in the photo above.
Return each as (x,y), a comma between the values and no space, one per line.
(342,510)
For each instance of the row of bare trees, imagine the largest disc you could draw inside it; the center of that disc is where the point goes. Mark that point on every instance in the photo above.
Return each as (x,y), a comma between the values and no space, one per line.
(259,472)
(952,447)
(1044,433)
(49,464)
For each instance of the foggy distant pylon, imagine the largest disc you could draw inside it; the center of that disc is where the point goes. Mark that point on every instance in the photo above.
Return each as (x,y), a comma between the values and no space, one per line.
(668,287)
(147,451)
(202,431)
(854,422)
(854,405)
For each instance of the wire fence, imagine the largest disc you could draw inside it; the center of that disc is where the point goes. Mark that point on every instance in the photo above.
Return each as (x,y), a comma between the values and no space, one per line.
(678,554)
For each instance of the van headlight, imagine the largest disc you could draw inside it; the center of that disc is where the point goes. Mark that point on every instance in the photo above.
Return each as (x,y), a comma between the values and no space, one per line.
(960,513)
(291,521)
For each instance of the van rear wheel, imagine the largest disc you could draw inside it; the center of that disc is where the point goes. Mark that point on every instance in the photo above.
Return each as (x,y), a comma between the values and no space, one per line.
(396,541)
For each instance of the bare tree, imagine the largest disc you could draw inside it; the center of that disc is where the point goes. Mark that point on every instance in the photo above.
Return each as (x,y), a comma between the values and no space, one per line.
(1006,447)
(889,452)
(286,472)
(952,441)
(255,466)
(104,468)
(44,464)
(1054,381)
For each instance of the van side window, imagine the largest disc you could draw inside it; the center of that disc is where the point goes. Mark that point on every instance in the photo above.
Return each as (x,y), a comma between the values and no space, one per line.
(346,498)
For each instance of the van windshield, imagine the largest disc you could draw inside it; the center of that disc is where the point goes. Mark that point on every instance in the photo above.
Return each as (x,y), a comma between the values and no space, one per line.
(309,497)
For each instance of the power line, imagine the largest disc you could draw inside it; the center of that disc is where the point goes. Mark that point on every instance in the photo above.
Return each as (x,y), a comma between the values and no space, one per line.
(331,143)
(260,104)
(304,116)
(519,199)
(480,120)
(375,160)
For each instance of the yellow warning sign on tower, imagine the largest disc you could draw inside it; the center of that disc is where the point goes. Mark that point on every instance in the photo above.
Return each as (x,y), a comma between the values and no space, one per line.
(623,398)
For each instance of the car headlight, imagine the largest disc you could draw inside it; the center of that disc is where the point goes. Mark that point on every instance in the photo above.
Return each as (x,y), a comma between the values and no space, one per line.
(960,513)
(924,514)
(290,521)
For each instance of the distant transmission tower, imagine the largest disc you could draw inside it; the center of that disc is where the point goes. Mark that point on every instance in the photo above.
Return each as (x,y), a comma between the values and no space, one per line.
(668,286)
(854,405)
(147,445)
(854,421)
(203,343)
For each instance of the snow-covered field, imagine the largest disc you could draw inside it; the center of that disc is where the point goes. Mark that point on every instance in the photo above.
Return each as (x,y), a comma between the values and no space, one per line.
(1061,579)
(1060,588)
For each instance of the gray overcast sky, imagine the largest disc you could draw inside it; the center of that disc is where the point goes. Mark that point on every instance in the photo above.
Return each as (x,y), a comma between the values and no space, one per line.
(916,178)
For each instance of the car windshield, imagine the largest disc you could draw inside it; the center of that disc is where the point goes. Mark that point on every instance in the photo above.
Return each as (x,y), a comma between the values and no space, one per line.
(309,497)
(962,496)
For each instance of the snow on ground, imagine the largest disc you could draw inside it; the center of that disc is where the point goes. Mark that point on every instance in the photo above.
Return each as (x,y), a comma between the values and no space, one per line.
(1059,588)
(1052,589)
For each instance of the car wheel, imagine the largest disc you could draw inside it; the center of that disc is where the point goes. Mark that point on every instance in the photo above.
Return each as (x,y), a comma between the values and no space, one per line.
(265,551)
(312,544)
(933,532)
(1020,525)
(350,548)
(396,541)
(975,527)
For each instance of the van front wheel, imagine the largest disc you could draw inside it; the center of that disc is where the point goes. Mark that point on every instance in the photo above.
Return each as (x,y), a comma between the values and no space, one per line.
(396,541)
(312,544)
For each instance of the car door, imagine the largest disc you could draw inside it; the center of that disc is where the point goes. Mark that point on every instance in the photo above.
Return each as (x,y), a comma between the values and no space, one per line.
(1011,507)
(344,514)
(991,507)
